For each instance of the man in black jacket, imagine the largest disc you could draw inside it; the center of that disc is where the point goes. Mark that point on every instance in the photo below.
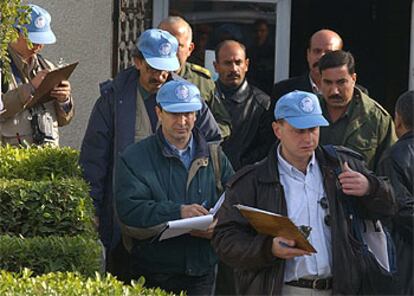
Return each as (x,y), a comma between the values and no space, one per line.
(299,179)
(397,164)
(320,43)
(246,105)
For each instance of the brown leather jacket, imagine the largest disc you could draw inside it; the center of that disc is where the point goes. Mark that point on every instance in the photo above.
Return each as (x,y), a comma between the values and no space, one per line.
(257,271)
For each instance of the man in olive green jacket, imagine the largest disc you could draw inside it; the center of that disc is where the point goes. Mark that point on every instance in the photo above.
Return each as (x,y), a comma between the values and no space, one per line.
(199,76)
(355,120)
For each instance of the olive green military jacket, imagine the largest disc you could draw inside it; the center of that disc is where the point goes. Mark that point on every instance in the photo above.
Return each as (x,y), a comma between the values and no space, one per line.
(201,77)
(370,130)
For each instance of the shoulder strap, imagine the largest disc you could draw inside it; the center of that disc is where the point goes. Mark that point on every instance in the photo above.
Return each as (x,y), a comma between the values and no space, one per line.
(215,149)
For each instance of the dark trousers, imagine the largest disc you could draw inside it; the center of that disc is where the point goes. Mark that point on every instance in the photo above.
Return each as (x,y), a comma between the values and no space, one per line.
(175,283)
(118,263)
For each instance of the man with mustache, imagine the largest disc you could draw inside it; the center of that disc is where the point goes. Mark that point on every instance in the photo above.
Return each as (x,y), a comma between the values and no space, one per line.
(246,104)
(38,124)
(123,115)
(320,43)
(355,120)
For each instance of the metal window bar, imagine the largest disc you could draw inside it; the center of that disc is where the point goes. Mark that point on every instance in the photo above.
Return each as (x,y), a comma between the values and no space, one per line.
(131,17)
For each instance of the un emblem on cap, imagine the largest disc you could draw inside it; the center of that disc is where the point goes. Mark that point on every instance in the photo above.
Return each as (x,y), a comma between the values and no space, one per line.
(40,22)
(165,49)
(307,105)
(183,93)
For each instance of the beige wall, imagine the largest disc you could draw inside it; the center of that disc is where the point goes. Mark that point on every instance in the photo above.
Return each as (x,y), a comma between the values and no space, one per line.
(84,33)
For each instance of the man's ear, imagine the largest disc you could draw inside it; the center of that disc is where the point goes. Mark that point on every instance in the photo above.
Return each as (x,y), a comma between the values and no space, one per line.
(158,111)
(276,126)
(191,48)
(247,65)
(138,63)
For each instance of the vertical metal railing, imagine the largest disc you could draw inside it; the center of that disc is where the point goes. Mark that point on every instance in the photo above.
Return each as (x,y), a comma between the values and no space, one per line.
(131,17)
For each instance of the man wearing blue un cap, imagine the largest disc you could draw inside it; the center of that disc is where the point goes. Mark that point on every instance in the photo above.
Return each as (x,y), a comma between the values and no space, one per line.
(125,114)
(37,124)
(309,184)
(171,176)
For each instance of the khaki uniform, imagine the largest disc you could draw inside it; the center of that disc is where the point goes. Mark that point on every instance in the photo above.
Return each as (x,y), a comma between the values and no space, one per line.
(16,120)
(201,77)
(369,130)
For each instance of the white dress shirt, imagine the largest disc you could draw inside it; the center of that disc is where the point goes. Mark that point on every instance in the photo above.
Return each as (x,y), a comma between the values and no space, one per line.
(303,193)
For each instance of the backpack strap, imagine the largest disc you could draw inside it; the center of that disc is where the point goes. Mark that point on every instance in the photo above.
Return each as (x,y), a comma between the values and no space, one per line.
(214,150)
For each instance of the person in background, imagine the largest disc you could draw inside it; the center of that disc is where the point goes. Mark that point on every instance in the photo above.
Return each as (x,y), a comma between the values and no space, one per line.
(397,165)
(320,43)
(20,121)
(355,120)
(193,73)
(262,55)
(246,104)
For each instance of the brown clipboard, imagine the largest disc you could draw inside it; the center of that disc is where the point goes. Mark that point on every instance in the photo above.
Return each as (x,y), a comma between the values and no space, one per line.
(52,79)
(275,225)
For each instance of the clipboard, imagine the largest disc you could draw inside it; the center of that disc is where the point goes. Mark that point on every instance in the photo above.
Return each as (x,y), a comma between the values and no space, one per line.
(275,225)
(52,79)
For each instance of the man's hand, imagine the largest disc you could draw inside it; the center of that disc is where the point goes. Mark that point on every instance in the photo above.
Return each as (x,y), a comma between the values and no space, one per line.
(193,210)
(353,183)
(37,80)
(208,234)
(284,248)
(62,91)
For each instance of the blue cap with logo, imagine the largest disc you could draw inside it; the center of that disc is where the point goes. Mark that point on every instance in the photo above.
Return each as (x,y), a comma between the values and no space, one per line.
(39,30)
(159,49)
(300,109)
(178,96)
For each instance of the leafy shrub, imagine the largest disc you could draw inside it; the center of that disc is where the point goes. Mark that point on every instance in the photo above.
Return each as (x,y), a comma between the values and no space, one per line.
(39,163)
(68,283)
(48,254)
(57,207)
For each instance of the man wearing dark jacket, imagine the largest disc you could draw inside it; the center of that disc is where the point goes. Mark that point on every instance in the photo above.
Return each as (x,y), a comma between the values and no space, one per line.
(320,43)
(171,176)
(246,104)
(397,164)
(301,180)
(123,115)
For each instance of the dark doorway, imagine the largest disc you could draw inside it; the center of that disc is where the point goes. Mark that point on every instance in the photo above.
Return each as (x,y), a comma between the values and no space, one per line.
(376,32)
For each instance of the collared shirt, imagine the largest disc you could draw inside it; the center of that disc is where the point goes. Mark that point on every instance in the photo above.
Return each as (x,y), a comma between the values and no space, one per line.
(315,88)
(185,155)
(303,193)
(335,132)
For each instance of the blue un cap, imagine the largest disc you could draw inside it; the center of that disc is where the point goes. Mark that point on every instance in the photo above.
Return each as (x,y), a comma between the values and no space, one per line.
(159,49)
(177,96)
(300,109)
(39,30)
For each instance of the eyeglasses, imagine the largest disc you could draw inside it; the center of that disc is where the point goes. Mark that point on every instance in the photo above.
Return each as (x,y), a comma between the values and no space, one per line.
(324,205)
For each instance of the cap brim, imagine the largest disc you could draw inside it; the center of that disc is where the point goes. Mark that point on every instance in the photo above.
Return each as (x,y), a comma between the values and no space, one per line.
(307,121)
(163,64)
(42,37)
(181,107)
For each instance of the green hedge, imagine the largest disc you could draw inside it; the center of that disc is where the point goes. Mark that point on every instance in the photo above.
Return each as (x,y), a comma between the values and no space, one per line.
(57,207)
(48,254)
(73,284)
(39,163)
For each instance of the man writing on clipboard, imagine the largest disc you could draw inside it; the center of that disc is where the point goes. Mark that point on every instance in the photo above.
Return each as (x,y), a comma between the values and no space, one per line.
(37,124)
